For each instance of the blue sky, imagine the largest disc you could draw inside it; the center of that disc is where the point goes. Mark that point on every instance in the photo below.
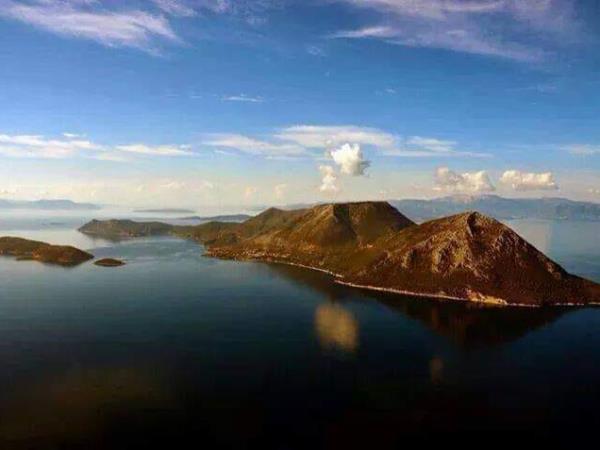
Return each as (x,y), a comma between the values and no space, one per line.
(233,102)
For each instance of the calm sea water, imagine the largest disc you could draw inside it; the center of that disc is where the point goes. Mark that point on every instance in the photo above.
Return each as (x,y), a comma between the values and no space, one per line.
(175,347)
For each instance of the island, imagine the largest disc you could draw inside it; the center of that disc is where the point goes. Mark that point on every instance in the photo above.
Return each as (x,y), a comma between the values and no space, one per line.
(109,262)
(371,245)
(24,249)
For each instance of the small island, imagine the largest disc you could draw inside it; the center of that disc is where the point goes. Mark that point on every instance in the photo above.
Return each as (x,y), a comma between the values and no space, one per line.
(109,262)
(28,250)
(371,245)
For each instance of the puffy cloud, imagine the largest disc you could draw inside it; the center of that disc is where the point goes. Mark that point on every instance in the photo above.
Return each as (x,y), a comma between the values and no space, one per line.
(350,159)
(529,181)
(329,180)
(468,182)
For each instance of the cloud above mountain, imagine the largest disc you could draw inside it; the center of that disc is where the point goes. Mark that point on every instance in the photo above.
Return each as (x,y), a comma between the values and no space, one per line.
(529,181)
(468,182)
(350,159)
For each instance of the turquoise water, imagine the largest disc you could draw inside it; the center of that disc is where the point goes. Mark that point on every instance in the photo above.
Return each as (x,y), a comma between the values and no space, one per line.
(174,346)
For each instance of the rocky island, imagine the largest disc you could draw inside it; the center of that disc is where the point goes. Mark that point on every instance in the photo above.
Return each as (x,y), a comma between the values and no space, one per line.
(371,245)
(24,249)
(109,262)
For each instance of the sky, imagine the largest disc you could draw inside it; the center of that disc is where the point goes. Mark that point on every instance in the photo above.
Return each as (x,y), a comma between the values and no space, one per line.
(227,103)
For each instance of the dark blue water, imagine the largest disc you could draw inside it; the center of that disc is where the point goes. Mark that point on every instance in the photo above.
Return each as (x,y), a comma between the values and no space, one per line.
(175,347)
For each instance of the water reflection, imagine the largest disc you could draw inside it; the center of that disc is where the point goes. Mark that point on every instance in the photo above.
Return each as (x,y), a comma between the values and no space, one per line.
(465,324)
(77,406)
(336,328)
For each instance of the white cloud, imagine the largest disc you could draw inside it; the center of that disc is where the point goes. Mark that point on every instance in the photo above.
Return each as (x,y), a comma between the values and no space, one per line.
(312,136)
(513,29)
(243,98)
(93,20)
(249,192)
(176,7)
(280,190)
(71,146)
(329,180)
(300,140)
(468,182)
(253,146)
(584,150)
(350,159)
(35,146)
(160,150)
(427,147)
(529,181)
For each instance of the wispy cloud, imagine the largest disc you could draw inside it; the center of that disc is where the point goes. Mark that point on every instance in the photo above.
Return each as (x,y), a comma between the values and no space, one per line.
(584,149)
(243,98)
(312,140)
(93,21)
(512,29)
(253,146)
(160,150)
(70,146)
(324,137)
(427,147)
(34,146)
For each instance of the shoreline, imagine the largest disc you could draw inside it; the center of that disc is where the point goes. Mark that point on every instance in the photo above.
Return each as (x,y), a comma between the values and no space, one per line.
(337,279)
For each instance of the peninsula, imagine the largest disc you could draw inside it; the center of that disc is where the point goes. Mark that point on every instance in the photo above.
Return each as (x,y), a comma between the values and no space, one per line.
(372,245)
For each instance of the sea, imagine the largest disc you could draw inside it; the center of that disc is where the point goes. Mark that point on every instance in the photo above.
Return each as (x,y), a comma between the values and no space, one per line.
(177,350)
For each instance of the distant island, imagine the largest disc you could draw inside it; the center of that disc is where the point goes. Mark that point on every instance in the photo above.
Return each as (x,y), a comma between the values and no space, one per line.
(372,245)
(165,211)
(109,262)
(500,207)
(224,218)
(27,250)
(48,205)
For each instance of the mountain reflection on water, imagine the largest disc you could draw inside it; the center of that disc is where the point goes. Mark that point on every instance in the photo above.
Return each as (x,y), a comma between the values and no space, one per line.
(465,324)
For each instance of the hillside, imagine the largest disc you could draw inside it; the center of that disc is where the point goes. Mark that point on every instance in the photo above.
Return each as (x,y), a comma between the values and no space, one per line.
(500,207)
(125,228)
(24,249)
(467,256)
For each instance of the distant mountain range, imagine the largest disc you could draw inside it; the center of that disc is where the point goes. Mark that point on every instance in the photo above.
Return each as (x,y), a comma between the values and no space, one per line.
(165,211)
(499,207)
(223,218)
(48,205)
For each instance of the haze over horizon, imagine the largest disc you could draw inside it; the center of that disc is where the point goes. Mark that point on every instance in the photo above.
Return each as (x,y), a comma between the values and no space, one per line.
(194,103)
